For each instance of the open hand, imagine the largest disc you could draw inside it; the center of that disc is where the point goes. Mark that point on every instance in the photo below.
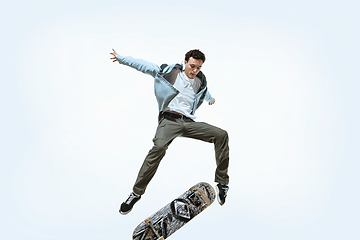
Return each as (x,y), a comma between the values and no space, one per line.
(114,53)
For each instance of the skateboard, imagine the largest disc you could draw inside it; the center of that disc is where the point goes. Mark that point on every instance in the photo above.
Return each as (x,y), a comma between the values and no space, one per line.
(176,214)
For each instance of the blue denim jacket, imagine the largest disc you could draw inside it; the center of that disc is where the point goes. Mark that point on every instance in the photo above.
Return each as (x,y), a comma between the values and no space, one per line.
(164,79)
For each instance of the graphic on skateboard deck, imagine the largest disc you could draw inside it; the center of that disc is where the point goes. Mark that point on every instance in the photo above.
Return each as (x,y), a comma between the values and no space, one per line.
(176,214)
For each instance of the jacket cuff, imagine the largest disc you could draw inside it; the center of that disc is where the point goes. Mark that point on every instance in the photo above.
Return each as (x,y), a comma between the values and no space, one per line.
(119,58)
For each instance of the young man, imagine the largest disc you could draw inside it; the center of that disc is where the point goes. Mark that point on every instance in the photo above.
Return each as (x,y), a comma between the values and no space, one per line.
(179,91)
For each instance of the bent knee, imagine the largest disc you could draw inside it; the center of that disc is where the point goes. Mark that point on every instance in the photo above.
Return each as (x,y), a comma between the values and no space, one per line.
(223,134)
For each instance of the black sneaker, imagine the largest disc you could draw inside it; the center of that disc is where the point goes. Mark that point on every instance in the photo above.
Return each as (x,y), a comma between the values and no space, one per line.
(129,203)
(222,192)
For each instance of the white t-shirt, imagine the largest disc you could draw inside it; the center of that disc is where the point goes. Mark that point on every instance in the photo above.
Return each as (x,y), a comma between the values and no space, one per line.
(184,101)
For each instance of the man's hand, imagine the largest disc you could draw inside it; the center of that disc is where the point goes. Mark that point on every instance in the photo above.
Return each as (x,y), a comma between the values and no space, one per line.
(212,102)
(114,53)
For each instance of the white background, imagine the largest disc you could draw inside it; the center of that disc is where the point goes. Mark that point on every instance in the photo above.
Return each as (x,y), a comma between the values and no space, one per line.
(75,127)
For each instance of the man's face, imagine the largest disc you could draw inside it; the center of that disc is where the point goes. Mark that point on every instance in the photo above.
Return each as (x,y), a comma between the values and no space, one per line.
(192,67)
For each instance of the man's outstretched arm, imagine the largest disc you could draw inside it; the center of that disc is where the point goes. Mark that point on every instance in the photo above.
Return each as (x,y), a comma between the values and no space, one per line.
(138,64)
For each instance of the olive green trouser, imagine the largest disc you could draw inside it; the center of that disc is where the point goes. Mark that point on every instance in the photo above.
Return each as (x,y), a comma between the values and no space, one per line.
(170,128)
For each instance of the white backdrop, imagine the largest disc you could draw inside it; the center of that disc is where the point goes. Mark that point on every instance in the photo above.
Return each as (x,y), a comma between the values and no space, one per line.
(75,127)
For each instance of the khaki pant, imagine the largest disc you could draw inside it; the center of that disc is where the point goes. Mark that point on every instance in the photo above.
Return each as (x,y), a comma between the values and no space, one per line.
(168,129)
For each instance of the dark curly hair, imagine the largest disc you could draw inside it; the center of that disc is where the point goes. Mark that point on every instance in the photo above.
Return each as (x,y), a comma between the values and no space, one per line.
(196,54)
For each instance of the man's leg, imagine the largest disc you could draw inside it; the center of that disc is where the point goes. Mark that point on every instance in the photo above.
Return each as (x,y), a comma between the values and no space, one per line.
(165,133)
(208,133)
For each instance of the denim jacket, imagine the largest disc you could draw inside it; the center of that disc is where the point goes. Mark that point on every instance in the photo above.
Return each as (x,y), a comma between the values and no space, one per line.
(164,79)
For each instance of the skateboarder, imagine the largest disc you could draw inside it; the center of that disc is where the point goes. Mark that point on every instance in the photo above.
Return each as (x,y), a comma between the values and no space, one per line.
(179,90)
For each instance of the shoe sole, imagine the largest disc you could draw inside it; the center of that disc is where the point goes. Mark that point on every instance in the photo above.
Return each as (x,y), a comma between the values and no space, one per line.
(124,213)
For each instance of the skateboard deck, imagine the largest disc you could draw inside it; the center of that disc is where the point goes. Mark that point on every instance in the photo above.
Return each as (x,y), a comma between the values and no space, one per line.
(176,214)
